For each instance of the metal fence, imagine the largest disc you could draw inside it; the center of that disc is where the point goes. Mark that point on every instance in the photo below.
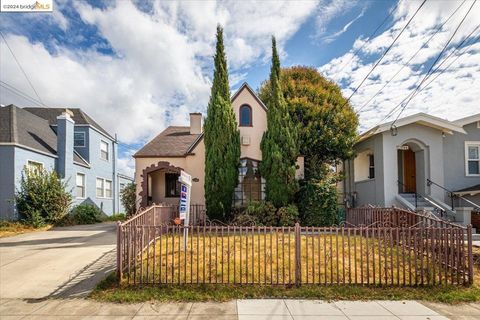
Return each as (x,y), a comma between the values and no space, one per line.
(411,252)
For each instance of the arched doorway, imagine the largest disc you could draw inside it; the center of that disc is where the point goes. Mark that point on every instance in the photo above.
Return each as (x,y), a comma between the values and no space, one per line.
(412,165)
(159,184)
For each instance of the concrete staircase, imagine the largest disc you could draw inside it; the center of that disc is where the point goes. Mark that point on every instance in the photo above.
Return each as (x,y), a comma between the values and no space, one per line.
(422,203)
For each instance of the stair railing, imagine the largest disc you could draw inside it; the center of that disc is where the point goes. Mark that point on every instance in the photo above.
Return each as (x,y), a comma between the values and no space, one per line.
(452,194)
(436,208)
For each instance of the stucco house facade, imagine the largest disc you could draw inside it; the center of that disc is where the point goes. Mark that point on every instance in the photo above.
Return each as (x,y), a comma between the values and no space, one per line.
(67,141)
(418,163)
(159,162)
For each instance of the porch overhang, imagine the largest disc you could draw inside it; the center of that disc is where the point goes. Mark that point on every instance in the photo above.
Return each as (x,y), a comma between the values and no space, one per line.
(161,165)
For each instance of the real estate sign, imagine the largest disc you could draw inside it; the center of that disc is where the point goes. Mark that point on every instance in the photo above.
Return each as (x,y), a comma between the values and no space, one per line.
(184,206)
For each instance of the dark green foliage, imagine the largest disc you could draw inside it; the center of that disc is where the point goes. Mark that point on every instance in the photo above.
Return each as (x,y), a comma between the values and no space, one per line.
(128,198)
(318,202)
(279,143)
(42,197)
(328,125)
(87,214)
(222,141)
(265,213)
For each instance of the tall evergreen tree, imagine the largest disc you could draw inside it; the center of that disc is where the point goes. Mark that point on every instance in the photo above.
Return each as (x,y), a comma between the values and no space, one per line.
(222,141)
(279,143)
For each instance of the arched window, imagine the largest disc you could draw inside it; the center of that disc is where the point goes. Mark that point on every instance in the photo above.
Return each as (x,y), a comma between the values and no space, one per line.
(245,116)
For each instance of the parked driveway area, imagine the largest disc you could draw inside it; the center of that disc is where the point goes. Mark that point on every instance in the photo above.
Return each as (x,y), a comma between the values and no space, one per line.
(61,262)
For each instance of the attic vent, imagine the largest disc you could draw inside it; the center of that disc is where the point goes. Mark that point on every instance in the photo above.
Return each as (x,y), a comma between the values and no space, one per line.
(245,140)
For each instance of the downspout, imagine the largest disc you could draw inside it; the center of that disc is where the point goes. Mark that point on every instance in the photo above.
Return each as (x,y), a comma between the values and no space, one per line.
(115,182)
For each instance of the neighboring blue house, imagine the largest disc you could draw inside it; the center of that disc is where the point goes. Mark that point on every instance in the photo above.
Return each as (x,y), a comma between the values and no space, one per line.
(65,140)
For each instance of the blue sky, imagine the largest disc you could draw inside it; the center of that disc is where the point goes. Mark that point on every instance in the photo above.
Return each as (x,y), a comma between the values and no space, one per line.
(137,67)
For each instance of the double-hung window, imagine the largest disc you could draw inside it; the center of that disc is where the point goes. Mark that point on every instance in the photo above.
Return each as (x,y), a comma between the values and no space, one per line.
(104,188)
(472,157)
(34,166)
(79,139)
(100,187)
(80,185)
(371,166)
(104,150)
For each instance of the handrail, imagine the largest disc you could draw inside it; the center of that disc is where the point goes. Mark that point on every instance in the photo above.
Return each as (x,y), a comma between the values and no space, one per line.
(419,195)
(452,194)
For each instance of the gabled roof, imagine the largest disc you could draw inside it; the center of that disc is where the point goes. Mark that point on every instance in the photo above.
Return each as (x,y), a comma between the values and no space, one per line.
(171,142)
(467,120)
(80,117)
(420,118)
(245,86)
(18,126)
(177,141)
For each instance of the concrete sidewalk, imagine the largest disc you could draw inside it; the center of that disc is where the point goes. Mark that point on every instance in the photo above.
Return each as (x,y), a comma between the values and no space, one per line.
(268,309)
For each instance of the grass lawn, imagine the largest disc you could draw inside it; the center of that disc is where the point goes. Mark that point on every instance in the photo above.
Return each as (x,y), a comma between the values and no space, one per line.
(12,228)
(110,291)
(270,259)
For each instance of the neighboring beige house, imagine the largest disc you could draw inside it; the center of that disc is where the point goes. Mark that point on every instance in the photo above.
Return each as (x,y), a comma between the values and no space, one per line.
(158,163)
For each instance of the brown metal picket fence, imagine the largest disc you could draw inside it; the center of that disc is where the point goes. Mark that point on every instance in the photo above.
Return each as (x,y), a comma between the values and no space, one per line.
(396,254)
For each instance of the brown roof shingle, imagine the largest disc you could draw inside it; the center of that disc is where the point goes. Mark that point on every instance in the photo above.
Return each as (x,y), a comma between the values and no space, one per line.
(171,142)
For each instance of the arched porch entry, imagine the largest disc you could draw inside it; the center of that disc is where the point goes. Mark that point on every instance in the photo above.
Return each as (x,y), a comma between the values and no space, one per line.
(412,156)
(160,184)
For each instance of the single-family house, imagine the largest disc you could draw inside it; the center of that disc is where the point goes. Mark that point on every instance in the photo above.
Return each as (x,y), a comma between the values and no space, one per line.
(67,141)
(420,162)
(158,163)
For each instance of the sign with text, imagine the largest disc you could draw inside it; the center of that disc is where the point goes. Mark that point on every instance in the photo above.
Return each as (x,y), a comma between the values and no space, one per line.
(184,206)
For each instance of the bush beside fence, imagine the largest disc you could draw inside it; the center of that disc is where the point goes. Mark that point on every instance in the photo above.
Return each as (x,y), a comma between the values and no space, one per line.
(398,248)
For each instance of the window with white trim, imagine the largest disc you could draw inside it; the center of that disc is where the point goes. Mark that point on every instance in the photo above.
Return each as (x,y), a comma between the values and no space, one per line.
(472,153)
(34,166)
(80,185)
(104,150)
(79,139)
(100,188)
(108,189)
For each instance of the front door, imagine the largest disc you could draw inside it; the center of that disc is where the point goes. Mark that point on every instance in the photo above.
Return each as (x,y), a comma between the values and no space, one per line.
(409,172)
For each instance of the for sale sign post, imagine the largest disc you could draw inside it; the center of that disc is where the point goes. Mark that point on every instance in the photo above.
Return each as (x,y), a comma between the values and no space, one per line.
(184,206)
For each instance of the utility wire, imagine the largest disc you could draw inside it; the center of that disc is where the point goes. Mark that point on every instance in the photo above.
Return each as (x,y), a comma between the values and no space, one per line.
(371,35)
(433,64)
(470,42)
(21,68)
(411,58)
(384,53)
(29,98)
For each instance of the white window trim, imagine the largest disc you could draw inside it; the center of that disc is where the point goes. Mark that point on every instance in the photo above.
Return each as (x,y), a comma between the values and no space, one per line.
(467,144)
(34,161)
(104,188)
(84,139)
(108,150)
(84,185)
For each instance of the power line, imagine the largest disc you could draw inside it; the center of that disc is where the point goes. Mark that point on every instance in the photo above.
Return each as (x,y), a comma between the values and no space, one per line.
(27,97)
(433,64)
(21,68)
(371,35)
(457,48)
(411,58)
(385,53)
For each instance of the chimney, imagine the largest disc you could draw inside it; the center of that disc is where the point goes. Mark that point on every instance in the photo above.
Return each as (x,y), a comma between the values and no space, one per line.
(195,123)
(65,126)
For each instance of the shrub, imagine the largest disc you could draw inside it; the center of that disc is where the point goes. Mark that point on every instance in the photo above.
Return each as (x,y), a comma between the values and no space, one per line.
(318,203)
(115,217)
(42,197)
(287,216)
(128,198)
(87,214)
(265,213)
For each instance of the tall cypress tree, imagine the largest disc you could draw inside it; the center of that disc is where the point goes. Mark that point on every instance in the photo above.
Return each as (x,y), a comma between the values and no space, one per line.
(279,143)
(222,140)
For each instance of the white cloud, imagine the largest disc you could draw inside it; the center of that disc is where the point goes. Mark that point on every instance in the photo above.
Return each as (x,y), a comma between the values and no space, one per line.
(162,64)
(331,37)
(447,97)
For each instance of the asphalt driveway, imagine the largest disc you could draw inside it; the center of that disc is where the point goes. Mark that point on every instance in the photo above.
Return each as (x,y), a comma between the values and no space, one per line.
(61,262)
